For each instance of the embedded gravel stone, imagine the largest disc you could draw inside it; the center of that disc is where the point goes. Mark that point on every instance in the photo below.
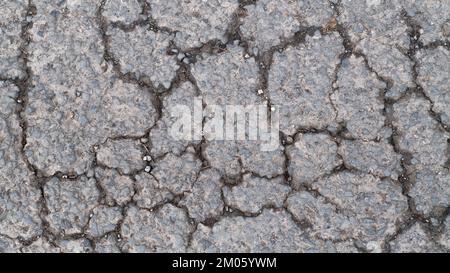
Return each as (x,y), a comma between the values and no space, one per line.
(149,192)
(272,231)
(162,138)
(377,158)
(205,200)
(300,81)
(164,230)
(310,157)
(358,101)
(103,220)
(126,11)
(177,174)
(123,155)
(157,67)
(254,193)
(11,18)
(196,21)
(19,195)
(75,101)
(374,206)
(433,71)
(270,22)
(70,203)
(415,239)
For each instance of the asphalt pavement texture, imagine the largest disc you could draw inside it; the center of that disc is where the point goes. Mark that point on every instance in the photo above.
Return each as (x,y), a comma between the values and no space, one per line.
(87,88)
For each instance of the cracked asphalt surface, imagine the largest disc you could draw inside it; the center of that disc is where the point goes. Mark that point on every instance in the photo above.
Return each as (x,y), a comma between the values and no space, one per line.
(86,92)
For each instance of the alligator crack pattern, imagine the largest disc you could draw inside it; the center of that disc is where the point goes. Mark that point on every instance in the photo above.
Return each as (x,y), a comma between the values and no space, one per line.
(87,163)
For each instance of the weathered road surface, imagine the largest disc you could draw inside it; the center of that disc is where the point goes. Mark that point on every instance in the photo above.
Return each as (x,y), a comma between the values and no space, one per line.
(86,93)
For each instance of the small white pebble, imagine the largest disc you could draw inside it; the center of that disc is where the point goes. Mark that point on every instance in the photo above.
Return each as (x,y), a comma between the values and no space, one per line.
(147,169)
(147,158)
